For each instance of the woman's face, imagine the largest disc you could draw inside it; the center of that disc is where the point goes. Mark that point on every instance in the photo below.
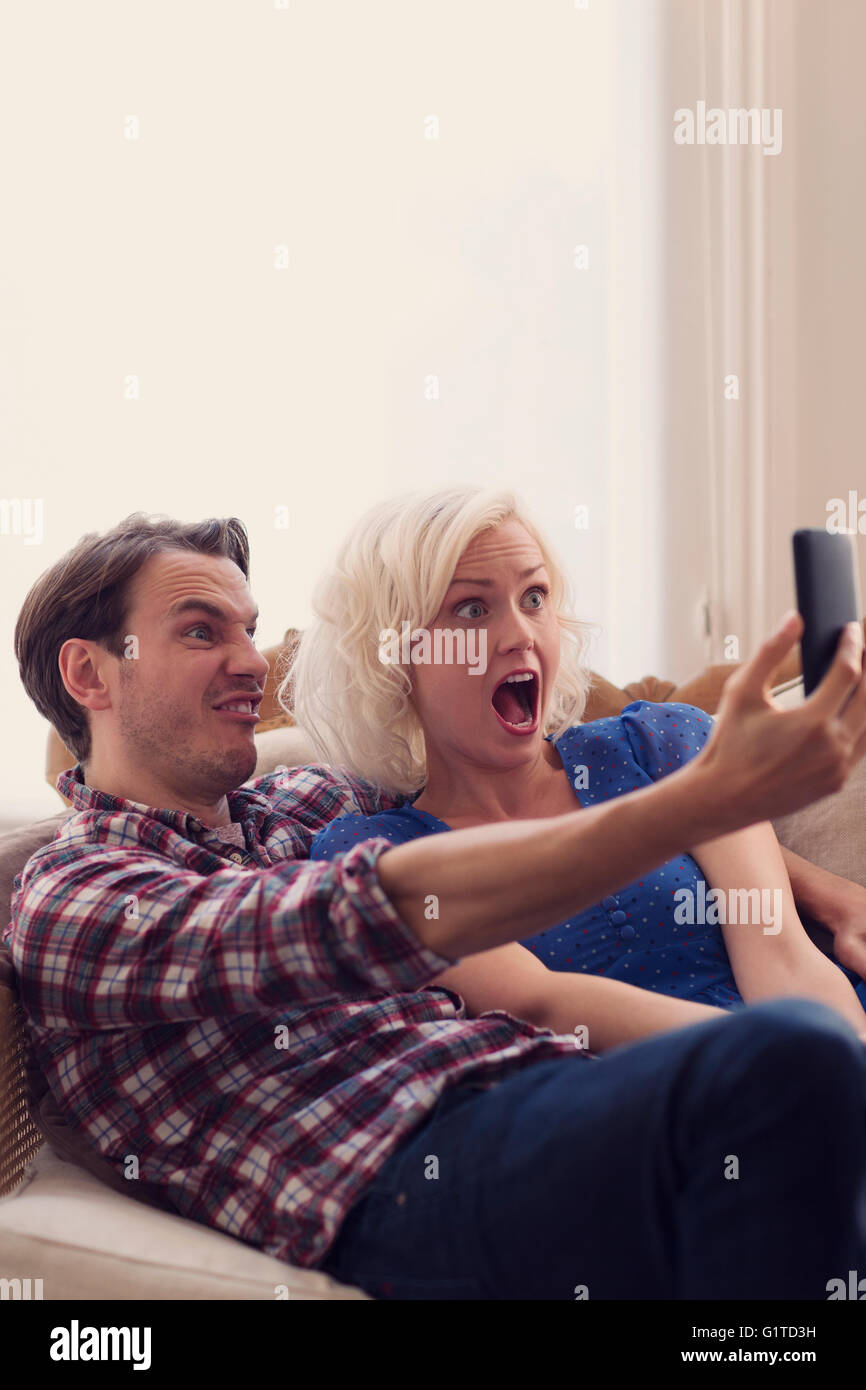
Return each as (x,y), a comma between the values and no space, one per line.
(500,585)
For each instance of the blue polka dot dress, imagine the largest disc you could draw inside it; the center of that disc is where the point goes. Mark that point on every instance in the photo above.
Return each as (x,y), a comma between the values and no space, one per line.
(637,934)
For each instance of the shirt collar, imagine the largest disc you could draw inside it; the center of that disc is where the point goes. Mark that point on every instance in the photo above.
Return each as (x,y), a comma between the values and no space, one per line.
(243,803)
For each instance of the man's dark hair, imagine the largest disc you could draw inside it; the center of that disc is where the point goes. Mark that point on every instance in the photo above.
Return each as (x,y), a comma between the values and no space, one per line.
(86,595)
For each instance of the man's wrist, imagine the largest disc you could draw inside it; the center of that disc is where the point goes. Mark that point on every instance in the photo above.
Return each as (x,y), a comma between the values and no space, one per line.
(829,898)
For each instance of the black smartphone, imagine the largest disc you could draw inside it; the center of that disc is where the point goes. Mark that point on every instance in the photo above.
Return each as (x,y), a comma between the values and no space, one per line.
(828,596)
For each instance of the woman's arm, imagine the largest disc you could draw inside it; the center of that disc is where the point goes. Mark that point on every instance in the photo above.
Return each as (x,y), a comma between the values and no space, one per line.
(608,1012)
(770,952)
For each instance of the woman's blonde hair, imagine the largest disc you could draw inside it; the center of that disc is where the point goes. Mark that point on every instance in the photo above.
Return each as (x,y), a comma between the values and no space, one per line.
(394,567)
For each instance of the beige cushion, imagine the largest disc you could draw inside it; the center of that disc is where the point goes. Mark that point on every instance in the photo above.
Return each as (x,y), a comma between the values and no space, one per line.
(85,1241)
(286,747)
(16,847)
(831,832)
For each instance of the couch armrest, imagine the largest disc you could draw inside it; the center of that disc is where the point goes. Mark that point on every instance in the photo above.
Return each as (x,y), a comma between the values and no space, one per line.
(703,690)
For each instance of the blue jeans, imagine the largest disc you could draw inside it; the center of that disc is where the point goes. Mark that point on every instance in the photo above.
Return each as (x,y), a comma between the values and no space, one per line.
(722,1160)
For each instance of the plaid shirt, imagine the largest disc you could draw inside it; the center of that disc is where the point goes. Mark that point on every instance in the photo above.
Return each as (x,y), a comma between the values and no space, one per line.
(258,1032)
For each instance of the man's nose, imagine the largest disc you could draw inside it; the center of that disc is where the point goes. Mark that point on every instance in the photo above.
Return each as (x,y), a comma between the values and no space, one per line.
(248,660)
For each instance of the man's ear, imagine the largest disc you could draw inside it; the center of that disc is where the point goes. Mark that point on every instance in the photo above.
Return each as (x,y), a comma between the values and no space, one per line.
(82,669)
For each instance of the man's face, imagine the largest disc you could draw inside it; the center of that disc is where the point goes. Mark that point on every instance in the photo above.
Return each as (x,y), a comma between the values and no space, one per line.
(194,622)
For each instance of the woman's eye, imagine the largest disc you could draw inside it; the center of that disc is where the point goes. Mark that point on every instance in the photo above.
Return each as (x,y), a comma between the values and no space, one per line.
(540,593)
(470,603)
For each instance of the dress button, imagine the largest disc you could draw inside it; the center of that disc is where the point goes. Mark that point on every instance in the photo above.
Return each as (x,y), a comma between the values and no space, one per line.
(608,903)
(627,932)
(618,917)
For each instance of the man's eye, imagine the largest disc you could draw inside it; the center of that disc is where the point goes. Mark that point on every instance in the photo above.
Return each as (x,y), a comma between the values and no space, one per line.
(199,627)
(470,603)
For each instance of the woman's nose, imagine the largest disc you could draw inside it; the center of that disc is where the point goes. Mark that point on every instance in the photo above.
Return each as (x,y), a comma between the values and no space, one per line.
(516,633)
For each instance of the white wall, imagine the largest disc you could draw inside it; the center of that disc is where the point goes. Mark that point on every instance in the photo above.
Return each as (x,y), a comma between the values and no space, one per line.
(305,387)
(821,291)
(766,279)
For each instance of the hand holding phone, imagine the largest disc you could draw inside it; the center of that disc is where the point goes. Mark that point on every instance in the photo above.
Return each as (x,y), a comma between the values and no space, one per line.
(764,762)
(828,597)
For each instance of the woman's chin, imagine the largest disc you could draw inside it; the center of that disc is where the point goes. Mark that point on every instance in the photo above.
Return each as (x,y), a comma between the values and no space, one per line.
(513,750)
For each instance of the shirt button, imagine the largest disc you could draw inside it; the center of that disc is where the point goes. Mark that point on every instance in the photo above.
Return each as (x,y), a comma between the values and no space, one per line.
(627,931)
(618,917)
(608,903)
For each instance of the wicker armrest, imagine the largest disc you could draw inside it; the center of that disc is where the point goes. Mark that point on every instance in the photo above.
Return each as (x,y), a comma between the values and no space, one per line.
(20,1137)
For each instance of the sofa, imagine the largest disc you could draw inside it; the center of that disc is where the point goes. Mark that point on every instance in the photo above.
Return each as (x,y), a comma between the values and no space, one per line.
(69,1221)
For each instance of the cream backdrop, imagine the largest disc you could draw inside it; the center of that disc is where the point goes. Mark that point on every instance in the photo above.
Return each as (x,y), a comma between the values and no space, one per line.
(310,386)
(337,247)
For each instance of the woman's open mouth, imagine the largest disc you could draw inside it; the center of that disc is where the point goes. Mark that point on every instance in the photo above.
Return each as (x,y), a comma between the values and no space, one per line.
(515,702)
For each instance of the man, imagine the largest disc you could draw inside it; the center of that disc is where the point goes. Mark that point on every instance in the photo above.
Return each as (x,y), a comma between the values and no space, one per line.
(263,1035)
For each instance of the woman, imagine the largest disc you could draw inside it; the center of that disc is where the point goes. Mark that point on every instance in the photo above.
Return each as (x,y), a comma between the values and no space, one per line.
(469,742)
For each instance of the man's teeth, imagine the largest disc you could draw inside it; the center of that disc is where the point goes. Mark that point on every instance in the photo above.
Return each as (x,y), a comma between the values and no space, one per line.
(243,706)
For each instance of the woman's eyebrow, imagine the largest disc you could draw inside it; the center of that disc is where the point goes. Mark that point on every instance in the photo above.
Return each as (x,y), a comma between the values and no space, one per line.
(467,579)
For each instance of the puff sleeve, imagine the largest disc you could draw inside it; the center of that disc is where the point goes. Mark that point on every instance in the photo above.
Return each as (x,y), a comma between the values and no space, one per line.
(665,736)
